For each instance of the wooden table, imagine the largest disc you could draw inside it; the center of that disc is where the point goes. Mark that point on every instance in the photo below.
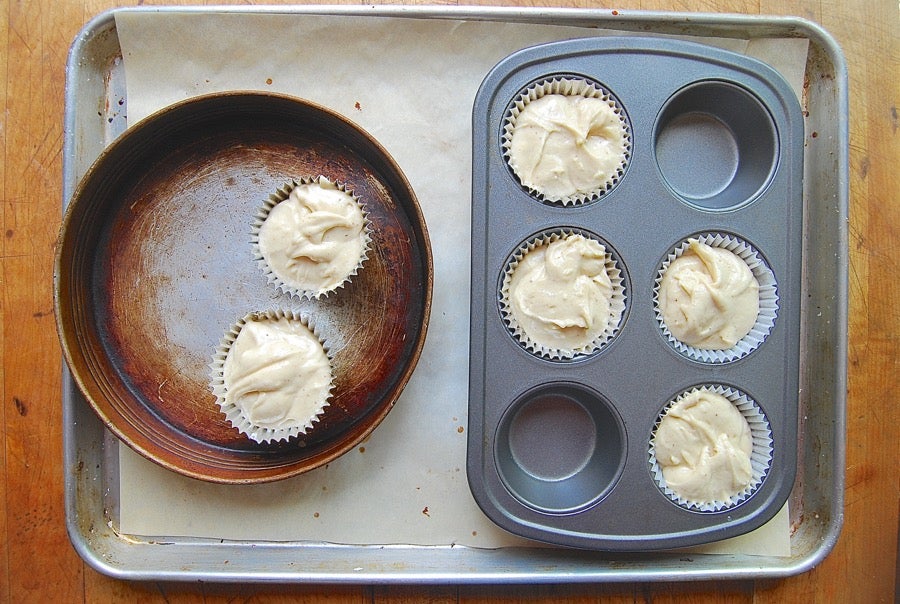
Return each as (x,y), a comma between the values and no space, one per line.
(37,562)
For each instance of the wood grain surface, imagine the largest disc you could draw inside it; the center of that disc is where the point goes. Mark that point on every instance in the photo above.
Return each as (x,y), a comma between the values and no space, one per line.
(37,562)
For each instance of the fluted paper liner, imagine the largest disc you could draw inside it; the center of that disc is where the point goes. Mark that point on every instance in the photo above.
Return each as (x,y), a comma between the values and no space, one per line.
(281,194)
(760,455)
(234,413)
(768,300)
(617,300)
(566,86)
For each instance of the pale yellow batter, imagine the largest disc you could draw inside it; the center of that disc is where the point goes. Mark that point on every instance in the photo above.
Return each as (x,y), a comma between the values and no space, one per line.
(708,297)
(567,146)
(278,374)
(560,293)
(703,445)
(314,239)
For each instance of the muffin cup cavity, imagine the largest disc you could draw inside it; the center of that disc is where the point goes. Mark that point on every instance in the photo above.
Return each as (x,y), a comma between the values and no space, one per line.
(233,412)
(732,143)
(760,456)
(614,270)
(560,448)
(768,299)
(279,278)
(570,86)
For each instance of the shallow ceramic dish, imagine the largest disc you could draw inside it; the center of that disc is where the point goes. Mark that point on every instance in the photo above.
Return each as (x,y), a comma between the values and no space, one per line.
(154,264)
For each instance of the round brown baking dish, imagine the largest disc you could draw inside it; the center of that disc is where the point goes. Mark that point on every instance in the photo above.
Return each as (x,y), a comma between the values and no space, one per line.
(154,263)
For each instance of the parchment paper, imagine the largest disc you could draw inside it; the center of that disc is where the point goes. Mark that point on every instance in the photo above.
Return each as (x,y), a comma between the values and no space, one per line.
(410,83)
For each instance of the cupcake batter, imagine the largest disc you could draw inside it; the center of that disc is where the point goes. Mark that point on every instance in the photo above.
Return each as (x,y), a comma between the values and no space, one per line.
(314,239)
(566,146)
(703,446)
(278,374)
(560,293)
(709,297)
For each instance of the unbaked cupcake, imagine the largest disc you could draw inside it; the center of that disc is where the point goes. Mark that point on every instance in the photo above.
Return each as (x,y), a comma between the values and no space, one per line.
(272,376)
(567,140)
(711,448)
(716,300)
(311,237)
(563,295)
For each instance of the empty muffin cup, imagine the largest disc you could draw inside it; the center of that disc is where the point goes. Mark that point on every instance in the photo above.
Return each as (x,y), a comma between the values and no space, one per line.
(560,448)
(716,145)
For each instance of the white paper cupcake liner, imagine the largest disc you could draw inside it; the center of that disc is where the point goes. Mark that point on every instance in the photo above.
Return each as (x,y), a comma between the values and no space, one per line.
(568,86)
(760,456)
(232,412)
(768,300)
(281,194)
(617,300)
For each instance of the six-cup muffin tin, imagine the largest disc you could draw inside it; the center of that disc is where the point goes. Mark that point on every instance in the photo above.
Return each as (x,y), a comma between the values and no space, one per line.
(559,449)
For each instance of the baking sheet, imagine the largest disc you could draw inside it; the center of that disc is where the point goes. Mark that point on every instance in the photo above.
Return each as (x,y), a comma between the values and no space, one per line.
(351,64)
(95,115)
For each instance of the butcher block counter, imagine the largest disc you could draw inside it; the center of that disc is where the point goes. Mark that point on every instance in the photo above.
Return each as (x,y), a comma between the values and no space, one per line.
(38,562)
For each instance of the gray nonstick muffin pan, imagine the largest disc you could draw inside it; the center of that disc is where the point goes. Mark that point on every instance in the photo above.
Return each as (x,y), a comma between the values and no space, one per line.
(559,449)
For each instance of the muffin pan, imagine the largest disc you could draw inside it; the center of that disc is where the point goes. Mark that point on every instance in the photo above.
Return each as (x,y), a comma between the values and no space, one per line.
(560,449)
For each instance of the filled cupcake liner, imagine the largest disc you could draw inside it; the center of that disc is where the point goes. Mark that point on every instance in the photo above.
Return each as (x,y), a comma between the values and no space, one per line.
(281,194)
(768,300)
(617,300)
(234,413)
(760,456)
(567,86)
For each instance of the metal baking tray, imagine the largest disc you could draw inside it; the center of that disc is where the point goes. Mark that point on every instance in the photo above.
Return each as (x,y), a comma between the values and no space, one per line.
(586,496)
(95,115)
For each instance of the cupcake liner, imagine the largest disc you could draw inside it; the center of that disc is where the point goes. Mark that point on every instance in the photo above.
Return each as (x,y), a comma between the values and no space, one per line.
(233,412)
(617,299)
(760,456)
(567,86)
(768,300)
(281,194)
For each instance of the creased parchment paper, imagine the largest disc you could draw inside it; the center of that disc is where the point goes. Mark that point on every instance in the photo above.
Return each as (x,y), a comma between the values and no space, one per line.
(410,83)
